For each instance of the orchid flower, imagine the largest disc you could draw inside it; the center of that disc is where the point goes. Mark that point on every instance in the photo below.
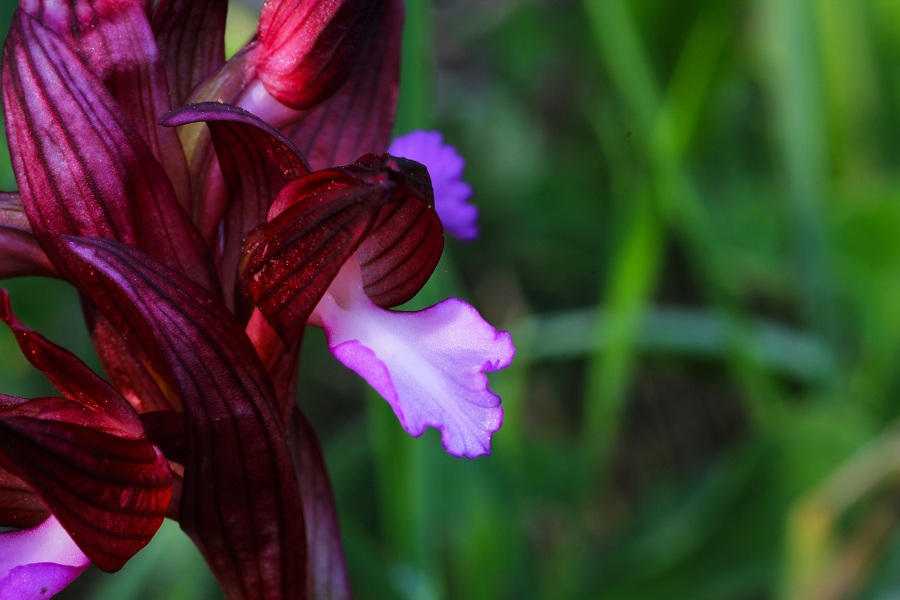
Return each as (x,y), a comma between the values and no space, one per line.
(201,254)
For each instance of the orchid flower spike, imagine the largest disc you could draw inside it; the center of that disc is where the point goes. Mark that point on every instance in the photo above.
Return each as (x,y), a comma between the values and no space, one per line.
(200,257)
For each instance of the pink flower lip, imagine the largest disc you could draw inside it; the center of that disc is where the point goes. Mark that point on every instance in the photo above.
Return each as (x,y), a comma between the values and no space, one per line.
(428,365)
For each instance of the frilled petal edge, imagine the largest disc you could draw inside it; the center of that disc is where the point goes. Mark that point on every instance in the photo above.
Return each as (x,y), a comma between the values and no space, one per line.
(429,365)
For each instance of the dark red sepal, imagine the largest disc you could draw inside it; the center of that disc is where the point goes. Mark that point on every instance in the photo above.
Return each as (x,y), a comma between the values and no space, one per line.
(256,161)
(310,48)
(22,255)
(328,571)
(380,206)
(191,39)
(109,492)
(359,116)
(114,39)
(295,256)
(20,507)
(69,374)
(142,379)
(275,154)
(165,428)
(240,503)
(84,455)
(401,252)
(81,166)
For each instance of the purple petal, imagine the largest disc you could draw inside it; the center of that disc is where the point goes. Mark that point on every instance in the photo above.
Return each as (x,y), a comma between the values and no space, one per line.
(445,166)
(38,562)
(429,365)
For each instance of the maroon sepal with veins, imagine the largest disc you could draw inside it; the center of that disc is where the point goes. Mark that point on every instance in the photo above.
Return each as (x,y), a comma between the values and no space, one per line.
(90,173)
(241,500)
(84,455)
(256,162)
(21,255)
(114,40)
(20,507)
(379,209)
(359,116)
(327,572)
(325,73)
(190,35)
(309,48)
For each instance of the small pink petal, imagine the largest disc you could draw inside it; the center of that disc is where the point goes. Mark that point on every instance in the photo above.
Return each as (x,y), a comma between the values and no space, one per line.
(445,166)
(38,562)
(429,365)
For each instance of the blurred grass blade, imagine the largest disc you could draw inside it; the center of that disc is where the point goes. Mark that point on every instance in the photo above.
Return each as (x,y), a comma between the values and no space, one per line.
(635,270)
(416,105)
(682,333)
(788,41)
